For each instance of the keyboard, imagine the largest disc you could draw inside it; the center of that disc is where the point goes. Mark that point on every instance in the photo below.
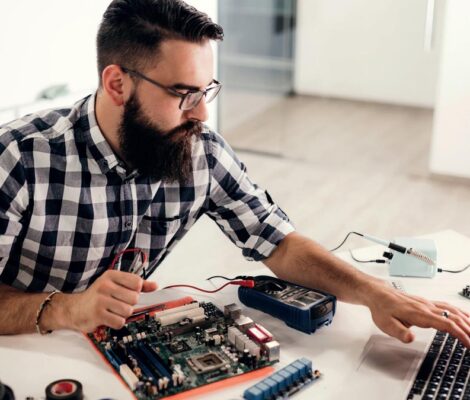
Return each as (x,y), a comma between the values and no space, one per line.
(444,372)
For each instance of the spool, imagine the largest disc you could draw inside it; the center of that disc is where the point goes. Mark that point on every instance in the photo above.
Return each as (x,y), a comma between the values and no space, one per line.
(6,393)
(64,389)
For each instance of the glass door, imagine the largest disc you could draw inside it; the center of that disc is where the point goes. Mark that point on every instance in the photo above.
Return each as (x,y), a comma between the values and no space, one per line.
(256,69)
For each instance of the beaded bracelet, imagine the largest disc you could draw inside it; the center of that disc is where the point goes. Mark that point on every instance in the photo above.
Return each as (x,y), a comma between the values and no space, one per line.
(43,305)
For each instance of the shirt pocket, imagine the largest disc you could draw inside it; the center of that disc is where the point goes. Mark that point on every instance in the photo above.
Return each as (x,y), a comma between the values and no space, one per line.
(156,233)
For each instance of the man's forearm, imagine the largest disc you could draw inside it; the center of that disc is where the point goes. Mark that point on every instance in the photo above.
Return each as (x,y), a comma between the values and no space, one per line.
(300,260)
(19,311)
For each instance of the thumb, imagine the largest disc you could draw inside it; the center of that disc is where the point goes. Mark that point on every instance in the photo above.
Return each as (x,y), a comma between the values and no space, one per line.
(398,330)
(149,286)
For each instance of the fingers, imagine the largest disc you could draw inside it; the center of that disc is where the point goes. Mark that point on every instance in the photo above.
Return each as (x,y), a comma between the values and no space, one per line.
(398,330)
(454,325)
(110,300)
(125,279)
(149,286)
(395,313)
(119,308)
(452,309)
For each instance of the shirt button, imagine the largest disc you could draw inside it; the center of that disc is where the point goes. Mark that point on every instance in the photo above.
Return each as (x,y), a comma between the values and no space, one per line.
(128,224)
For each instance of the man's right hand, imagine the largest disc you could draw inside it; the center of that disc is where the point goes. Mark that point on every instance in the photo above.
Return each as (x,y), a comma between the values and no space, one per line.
(109,301)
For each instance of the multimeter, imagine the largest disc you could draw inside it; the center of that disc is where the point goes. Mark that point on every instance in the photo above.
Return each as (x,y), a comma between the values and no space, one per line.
(299,307)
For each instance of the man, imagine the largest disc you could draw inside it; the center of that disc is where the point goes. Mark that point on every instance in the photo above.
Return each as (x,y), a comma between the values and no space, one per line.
(133,166)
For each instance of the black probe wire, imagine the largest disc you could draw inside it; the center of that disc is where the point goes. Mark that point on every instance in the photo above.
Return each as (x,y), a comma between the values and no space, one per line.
(229,279)
(346,238)
(377,261)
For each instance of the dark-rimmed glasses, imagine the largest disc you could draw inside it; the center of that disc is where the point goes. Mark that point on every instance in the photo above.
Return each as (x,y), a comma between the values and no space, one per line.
(191,98)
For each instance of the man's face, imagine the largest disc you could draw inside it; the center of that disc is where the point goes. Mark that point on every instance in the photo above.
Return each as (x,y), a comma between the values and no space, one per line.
(155,134)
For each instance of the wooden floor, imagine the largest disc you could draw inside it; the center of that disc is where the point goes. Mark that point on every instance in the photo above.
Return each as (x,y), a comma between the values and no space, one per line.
(335,166)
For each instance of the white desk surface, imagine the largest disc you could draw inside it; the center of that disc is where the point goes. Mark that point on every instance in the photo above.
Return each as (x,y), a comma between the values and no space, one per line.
(28,363)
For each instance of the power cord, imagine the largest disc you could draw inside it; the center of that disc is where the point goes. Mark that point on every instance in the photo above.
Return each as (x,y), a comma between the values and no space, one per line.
(346,238)
(453,271)
(377,261)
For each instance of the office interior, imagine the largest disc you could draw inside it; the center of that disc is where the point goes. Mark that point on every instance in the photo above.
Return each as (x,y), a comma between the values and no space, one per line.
(355,116)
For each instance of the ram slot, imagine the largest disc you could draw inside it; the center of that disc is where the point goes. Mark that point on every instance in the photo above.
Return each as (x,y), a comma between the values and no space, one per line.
(146,369)
(113,359)
(156,360)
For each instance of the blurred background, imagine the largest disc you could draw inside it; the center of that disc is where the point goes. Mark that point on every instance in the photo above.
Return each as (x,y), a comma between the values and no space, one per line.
(355,115)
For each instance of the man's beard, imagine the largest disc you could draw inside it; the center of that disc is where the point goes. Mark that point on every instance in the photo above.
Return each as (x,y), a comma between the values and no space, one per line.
(155,152)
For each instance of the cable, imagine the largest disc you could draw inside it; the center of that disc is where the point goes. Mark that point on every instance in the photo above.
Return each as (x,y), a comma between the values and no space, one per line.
(378,261)
(245,277)
(453,271)
(346,238)
(246,283)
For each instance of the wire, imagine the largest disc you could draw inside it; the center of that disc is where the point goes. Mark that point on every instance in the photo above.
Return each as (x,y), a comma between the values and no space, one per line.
(245,277)
(246,283)
(454,271)
(378,261)
(346,238)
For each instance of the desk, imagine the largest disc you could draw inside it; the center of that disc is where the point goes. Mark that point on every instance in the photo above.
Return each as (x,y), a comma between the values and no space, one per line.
(29,362)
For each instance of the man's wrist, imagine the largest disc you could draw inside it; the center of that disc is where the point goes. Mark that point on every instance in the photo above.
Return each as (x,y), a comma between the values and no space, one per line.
(370,290)
(58,313)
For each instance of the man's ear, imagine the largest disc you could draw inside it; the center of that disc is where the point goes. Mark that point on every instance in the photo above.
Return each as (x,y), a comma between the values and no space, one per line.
(114,83)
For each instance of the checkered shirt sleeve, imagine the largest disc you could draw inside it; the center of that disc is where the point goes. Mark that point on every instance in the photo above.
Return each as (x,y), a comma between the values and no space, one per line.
(244,212)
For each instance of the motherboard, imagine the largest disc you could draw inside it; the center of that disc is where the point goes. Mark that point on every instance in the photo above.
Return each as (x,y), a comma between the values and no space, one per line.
(174,348)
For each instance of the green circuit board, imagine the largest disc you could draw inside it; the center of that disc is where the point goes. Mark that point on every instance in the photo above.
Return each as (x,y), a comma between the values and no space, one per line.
(187,347)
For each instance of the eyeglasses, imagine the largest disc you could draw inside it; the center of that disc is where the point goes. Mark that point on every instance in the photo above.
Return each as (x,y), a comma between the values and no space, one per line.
(191,98)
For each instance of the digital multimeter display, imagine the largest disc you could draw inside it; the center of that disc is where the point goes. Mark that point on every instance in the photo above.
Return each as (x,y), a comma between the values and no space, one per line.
(300,307)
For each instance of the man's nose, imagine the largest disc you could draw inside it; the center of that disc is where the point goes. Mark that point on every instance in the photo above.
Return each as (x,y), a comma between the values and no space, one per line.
(200,112)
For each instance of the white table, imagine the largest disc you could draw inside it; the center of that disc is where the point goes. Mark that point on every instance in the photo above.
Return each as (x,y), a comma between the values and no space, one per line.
(29,362)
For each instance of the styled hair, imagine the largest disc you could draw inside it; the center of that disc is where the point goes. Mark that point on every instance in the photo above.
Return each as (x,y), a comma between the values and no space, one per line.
(132,31)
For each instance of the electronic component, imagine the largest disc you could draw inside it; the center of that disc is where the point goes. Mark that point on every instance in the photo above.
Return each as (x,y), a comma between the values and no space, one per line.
(232,311)
(299,307)
(184,347)
(285,382)
(273,350)
(465,292)
(206,363)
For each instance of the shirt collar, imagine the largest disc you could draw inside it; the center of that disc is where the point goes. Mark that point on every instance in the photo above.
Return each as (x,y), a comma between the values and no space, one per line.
(95,140)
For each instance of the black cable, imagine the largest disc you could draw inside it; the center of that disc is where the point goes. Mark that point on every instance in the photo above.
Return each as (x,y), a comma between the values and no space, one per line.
(229,279)
(346,238)
(378,261)
(454,271)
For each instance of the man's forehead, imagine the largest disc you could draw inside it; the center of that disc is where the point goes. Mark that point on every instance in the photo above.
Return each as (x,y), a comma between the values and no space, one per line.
(184,63)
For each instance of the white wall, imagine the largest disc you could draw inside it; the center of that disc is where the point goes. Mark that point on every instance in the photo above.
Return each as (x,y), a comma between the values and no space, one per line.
(367,50)
(450,153)
(44,43)
(50,42)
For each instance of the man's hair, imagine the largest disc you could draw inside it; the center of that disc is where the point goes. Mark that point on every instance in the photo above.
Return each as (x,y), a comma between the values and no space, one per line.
(132,31)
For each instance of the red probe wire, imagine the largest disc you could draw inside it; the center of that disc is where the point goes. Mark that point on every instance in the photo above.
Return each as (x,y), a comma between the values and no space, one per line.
(245,282)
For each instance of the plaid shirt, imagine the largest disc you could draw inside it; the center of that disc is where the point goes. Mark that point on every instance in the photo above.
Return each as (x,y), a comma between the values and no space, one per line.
(68,205)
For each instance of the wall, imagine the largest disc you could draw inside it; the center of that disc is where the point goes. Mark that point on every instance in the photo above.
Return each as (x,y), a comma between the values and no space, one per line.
(450,153)
(367,50)
(43,43)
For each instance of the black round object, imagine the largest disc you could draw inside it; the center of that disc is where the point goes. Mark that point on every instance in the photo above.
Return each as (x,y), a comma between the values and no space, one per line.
(64,389)
(6,393)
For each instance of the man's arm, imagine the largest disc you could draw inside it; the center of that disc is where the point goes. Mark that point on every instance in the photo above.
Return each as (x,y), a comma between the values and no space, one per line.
(300,260)
(108,301)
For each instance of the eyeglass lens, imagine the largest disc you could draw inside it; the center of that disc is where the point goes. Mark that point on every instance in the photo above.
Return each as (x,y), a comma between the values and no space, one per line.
(192,99)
